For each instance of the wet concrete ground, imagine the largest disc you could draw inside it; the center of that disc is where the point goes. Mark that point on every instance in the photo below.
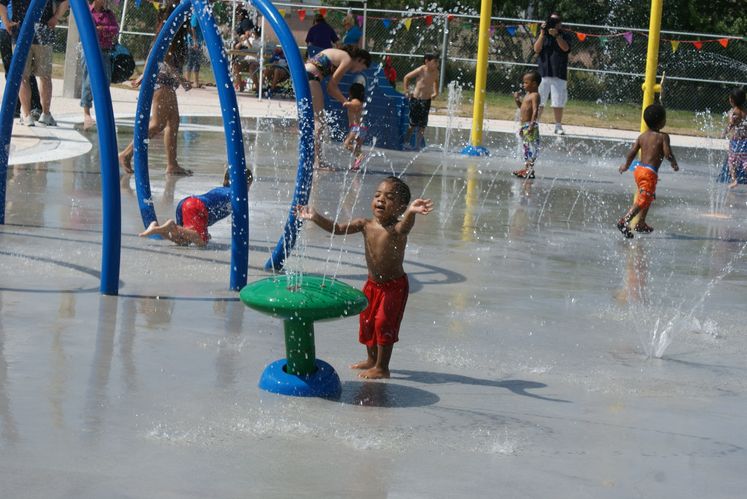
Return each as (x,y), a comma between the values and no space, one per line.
(541,354)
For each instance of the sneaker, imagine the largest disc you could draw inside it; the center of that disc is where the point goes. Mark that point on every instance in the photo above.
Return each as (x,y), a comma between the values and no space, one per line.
(644,228)
(524,173)
(559,129)
(35,113)
(27,120)
(624,229)
(47,119)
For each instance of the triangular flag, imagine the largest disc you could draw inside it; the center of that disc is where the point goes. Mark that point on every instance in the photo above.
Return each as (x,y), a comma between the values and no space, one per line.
(603,41)
(581,36)
(157,5)
(450,17)
(533,28)
(301,14)
(628,35)
(492,30)
(724,42)
(282,12)
(429,21)
(511,30)
(466,25)
(386,23)
(323,11)
(698,45)
(675,45)
(360,21)
(407,22)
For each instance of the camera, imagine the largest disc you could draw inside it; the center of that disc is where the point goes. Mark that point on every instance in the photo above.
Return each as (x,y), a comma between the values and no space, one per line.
(551,23)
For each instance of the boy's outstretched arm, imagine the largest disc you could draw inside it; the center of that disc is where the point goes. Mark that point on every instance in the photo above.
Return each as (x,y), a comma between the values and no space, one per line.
(422,206)
(412,74)
(670,155)
(308,213)
(173,232)
(630,156)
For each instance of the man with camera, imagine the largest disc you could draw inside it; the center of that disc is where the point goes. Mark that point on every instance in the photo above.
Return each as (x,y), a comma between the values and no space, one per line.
(552,48)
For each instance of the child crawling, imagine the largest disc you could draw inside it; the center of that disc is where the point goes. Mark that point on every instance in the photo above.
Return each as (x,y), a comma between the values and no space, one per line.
(194,214)
(654,147)
(385,237)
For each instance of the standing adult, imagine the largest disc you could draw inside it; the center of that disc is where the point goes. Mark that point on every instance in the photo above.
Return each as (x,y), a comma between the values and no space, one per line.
(353,33)
(6,50)
(107,30)
(321,36)
(552,48)
(39,62)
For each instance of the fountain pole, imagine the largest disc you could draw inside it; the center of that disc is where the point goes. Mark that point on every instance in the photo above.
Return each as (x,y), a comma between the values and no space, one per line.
(481,77)
(650,87)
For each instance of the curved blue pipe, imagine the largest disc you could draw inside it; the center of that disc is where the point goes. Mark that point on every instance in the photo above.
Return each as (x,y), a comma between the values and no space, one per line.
(10,96)
(234,145)
(110,196)
(111,218)
(305,126)
(231,125)
(144,104)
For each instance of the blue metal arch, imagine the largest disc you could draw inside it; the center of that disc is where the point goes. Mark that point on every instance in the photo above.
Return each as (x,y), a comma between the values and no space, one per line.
(304,175)
(111,214)
(231,125)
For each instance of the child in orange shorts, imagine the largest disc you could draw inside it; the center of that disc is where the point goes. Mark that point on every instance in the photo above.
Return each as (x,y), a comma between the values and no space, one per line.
(654,147)
(387,287)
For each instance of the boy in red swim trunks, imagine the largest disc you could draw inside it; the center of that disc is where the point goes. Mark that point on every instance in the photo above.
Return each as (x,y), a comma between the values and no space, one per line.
(654,147)
(194,214)
(385,238)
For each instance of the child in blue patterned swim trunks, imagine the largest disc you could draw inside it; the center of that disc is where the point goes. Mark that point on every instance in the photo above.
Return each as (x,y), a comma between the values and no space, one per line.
(736,131)
(529,131)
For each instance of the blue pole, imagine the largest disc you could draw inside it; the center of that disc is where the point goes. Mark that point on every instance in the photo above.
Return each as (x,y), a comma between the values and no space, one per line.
(234,145)
(144,104)
(12,84)
(305,126)
(102,99)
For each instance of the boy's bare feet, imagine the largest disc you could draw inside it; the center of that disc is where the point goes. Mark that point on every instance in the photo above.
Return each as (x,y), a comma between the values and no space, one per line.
(375,373)
(88,123)
(733,184)
(178,170)
(364,364)
(125,161)
(623,227)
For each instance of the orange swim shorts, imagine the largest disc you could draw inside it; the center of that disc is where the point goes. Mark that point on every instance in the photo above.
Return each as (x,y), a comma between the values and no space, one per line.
(646,180)
(379,323)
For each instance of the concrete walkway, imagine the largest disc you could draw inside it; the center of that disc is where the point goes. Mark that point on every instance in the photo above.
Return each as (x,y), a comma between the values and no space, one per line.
(33,144)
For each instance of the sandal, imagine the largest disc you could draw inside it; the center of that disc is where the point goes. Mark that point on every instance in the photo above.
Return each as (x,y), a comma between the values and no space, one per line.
(623,227)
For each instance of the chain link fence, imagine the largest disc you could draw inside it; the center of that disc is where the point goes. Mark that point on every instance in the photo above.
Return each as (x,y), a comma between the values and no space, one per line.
(606,63)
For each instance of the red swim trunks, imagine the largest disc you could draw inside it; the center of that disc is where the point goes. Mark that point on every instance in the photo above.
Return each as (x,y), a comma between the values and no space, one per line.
(645,179)
(195,217)
(386,306)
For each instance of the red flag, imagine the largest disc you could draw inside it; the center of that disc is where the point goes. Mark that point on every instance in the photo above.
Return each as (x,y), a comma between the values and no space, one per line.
(429,21)
(323,11)
(302,14)
(698,45)
(724,42)
(581,36)
(450,17)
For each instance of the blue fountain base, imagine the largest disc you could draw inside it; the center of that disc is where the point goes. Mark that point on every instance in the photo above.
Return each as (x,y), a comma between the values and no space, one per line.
(323,383)
(475,151)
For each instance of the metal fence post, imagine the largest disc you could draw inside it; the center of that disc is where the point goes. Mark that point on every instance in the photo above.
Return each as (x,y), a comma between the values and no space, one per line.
(444,51)
(365,22)
(122,21)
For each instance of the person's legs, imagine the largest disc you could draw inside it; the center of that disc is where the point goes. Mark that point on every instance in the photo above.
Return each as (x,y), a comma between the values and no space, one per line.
(559,99)
(86,97)
(169,110)
(156,125)
(371,357)
(317,100)
(380,370)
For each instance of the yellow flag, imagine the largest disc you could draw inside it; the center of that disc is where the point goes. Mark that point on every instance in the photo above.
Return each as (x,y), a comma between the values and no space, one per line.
(675,45)
(282,12)
(533,28)
(157,5)
(407,22)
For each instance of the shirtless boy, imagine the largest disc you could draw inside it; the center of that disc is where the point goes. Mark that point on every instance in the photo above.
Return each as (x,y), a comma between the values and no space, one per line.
(385,237)
(654,147)
(426,89)
(529,131)
(357,134)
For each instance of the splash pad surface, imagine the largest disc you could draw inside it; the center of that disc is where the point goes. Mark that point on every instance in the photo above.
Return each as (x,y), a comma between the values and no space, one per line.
(540,353)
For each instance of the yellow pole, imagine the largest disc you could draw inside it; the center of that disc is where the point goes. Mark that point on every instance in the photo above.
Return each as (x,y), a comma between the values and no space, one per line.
(650,87)
(481,77)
